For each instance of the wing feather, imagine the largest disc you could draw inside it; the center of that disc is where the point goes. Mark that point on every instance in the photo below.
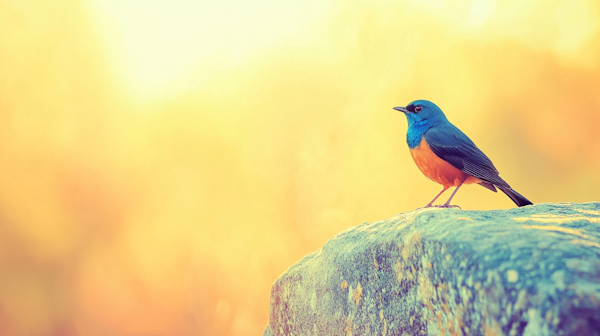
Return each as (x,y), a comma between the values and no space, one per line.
(453,146)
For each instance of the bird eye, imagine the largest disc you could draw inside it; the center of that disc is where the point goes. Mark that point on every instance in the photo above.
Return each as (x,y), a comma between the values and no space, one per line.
(418,108)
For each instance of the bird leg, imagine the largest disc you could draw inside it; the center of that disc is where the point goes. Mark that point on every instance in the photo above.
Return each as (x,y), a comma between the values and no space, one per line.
(447,204)
(430,204)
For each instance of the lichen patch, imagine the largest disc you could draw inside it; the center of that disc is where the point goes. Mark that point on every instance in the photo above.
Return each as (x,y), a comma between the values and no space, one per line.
(399,270)
(357,294)
(348,328)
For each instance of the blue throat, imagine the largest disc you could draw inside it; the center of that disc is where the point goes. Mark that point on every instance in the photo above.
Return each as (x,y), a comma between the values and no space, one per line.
(416,129)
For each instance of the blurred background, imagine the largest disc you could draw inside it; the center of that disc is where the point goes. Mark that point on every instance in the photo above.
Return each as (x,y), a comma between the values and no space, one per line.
(162,162)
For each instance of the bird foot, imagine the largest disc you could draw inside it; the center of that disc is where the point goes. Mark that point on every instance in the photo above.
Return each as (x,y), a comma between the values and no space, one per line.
(446,206)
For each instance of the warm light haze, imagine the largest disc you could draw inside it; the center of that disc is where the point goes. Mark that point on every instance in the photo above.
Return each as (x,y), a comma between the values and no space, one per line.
(164,161)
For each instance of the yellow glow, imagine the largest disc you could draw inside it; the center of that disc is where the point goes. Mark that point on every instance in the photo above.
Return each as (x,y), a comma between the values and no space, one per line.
(162,46)
(585,242)
(557,229)
(557,219)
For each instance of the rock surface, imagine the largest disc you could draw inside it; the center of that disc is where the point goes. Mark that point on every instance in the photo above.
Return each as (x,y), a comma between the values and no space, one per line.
(524,271)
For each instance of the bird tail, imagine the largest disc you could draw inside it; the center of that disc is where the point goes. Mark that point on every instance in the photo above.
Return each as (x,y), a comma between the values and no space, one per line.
(488,185)
(519,199)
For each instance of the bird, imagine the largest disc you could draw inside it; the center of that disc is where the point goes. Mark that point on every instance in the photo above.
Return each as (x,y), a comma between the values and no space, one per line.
(446,155)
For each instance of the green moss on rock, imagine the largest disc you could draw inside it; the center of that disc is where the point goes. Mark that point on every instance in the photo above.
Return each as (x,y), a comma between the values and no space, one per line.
(525,271)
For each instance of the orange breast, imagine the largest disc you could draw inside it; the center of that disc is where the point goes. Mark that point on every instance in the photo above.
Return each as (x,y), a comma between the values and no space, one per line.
(437,169)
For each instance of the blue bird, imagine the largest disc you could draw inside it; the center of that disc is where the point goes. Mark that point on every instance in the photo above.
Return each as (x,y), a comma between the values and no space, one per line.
(447,156)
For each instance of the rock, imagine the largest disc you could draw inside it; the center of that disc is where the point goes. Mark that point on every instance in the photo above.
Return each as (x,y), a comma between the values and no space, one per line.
(525,271)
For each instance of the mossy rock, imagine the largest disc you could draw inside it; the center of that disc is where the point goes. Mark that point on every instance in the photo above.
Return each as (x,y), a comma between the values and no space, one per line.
(533,270)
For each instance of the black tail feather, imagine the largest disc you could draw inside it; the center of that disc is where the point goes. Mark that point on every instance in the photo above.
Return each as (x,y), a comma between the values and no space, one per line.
(487,185)
(519,199)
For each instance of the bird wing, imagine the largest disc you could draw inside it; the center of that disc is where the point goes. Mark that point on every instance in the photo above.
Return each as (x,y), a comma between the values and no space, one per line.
(455,147)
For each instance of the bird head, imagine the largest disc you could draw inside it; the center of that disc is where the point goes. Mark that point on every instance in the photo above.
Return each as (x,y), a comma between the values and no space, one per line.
(421,111)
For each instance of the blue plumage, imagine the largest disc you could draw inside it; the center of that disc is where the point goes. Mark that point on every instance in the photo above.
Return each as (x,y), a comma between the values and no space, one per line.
(419,123)
(416,132)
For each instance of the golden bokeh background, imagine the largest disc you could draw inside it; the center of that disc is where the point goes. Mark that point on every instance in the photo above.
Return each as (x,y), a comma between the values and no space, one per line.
(164,161)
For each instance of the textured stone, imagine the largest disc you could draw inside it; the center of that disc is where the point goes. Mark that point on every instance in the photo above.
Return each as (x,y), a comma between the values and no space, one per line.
(525,271)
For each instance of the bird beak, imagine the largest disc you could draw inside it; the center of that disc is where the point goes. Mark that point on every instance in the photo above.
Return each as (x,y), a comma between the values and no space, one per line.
(401,109)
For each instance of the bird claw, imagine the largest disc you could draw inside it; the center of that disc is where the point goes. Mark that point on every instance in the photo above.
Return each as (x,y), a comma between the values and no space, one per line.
(447,206)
